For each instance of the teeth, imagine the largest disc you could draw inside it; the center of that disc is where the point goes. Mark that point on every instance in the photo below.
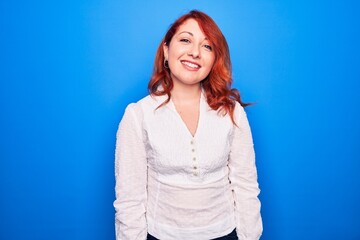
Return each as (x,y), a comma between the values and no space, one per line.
(192,65)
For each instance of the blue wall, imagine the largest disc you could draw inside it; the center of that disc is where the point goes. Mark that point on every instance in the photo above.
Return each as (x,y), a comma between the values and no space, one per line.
(69,68)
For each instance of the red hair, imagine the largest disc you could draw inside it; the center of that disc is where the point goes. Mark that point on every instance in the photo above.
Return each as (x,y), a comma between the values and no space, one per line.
(217,85)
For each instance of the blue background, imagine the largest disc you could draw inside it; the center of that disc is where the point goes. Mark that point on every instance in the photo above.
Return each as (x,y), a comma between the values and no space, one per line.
(69,68)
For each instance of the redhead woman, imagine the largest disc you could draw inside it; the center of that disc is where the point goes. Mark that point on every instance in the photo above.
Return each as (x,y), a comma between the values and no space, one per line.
(184,162)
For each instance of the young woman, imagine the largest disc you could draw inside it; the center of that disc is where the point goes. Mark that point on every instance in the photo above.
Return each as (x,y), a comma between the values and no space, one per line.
(185,162)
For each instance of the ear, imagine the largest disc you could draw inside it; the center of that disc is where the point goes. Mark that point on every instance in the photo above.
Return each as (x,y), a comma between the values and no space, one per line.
(165,49)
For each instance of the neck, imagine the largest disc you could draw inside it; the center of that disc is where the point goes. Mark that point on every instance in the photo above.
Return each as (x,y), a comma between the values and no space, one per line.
(185,93)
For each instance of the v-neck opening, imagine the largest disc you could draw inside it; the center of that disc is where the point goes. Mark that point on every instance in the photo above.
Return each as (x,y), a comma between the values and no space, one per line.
(193,136)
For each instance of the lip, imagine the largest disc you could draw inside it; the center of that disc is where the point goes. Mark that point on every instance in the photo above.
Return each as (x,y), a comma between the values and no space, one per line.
(183,62)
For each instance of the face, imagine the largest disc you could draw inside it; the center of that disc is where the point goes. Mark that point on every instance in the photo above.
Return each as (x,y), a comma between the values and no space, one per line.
(190,54)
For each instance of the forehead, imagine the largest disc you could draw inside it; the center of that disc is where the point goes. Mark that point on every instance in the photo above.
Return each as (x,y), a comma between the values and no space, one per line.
(192,26)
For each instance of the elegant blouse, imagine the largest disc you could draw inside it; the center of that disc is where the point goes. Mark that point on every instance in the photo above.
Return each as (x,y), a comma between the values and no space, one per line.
(177,186)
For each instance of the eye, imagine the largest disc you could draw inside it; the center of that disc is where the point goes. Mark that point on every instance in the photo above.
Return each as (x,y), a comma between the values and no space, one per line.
(185,40)
(208,47)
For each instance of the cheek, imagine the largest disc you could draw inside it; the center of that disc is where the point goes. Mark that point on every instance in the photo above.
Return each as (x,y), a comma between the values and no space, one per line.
(176,51)
(210,61)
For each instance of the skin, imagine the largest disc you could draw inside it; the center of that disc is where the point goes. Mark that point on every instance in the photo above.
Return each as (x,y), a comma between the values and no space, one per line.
(188,48)
(190,59)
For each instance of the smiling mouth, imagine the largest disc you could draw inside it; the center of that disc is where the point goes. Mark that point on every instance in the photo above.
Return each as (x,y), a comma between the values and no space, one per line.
(190,64)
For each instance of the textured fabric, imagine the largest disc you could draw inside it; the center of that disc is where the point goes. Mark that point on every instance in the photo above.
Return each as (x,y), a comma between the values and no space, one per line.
(173,185)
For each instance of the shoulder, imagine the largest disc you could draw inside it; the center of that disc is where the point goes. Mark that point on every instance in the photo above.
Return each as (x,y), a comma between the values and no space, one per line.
(134,114)
(148,103)
(151,101)
(134,109)
(238,108)
(239,113)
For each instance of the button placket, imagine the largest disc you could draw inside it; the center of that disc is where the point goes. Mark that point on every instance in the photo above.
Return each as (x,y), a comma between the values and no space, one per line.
(195,171)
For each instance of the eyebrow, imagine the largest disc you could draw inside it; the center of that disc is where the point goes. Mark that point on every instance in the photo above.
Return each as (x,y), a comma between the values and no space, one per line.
(187,33)
(190,33)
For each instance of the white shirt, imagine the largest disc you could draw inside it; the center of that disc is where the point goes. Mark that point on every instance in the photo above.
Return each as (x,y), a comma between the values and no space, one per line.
(177,186)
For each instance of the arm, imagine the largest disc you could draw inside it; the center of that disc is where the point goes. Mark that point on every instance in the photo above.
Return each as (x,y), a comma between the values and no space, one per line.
(131,177)
(243,178)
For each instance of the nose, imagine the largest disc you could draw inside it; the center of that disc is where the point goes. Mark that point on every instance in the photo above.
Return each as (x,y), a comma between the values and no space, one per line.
(194,51)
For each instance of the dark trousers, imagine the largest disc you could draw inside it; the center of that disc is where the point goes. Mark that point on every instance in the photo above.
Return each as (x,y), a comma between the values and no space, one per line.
(230,236)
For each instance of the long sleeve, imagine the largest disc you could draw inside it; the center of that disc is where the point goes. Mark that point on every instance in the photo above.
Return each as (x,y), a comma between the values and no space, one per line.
(131,177)
(243,178)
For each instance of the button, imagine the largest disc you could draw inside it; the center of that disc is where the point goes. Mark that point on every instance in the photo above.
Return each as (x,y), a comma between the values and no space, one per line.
(194,158)
(195,167)
(192,142)
(195,173)
(193,150)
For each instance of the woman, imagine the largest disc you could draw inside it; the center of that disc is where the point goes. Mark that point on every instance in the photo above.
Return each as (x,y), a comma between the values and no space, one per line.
(185,163)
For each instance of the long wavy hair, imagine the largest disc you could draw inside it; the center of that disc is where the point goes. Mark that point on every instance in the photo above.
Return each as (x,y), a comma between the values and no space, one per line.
(217,85)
